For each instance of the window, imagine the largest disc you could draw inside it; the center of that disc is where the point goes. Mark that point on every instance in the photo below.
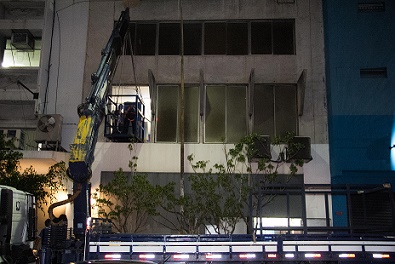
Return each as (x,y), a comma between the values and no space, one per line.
(226,120)
(145,39)
(191,114)
(167,114)
(192,38)
(237,39)
(11,133)
(14,57)
(169,38)
(273,37)
(214,38)
(275,109)
(261,37)
(225,113)
(283,37)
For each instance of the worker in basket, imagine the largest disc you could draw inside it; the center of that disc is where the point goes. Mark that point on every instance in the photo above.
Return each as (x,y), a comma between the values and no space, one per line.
(129,117)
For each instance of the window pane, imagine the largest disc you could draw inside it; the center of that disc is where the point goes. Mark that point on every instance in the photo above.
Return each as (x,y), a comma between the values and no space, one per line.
(237,39)
(192,38)
(167,113)
(261,38)
(236,126)
(169,38)
(214,38)
(264,110)
(283,37)
(285,109)
(130,43)
(191,114)
(145,39)
(215,114)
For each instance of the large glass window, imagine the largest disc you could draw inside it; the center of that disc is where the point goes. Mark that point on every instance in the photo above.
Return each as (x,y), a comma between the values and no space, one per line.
(275,112)
(225,113)
(191,115)
(167,114)
(275,109)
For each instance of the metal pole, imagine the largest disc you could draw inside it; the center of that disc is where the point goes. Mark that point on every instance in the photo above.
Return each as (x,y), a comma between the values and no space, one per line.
(182,122)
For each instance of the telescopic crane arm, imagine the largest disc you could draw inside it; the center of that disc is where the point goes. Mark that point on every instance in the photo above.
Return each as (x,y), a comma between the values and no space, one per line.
(91,114)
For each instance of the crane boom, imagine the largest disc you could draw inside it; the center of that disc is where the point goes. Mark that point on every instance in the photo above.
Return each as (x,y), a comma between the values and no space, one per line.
(91,112)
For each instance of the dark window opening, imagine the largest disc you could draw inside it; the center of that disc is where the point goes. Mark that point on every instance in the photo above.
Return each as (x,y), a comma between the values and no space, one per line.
(283,37)
(237,39)
(11,133)
(169,38)
(261,38)
(145,39)
(214,38)
(193,39)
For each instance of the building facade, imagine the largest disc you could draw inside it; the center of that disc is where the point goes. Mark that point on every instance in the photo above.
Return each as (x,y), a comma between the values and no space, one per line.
(248,67)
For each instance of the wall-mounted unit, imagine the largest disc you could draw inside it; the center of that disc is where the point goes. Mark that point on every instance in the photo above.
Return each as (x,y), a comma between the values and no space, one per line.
(299,149)
(22,40)
(17,136)
(261,148)
(49,129)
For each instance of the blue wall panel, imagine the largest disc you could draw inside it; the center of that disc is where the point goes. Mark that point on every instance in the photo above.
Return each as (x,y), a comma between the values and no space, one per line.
(360,110)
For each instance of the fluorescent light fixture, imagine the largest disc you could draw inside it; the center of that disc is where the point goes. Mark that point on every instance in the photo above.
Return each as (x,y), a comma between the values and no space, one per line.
(381,256)
(247,256)
(312,255)
(213,256)
(146,256)
(112,256)
(346,255)
(181,256)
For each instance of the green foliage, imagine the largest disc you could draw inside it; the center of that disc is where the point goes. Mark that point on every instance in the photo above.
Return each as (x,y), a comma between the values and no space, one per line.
(128,200)
(216,195)
(42,186)
(219,194)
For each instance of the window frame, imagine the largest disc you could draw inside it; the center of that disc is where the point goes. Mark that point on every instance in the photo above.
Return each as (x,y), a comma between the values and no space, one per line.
(202,39)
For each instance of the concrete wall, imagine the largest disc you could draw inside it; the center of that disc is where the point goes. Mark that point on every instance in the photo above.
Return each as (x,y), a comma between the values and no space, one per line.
(62,63)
